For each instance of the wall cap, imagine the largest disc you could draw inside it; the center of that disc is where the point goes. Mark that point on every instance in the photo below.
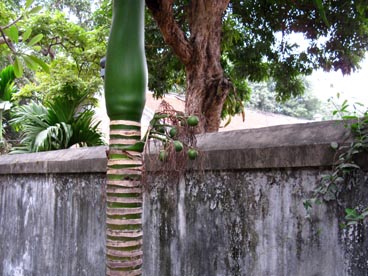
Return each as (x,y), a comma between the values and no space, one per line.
(76,160)
(284,146)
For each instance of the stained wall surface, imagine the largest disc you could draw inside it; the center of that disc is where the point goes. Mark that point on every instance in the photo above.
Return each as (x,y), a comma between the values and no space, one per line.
(52,213)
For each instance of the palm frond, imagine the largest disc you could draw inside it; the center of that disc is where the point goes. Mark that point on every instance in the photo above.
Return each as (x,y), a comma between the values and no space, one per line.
(55,127)
(53,138)
(86,130)
(7,78)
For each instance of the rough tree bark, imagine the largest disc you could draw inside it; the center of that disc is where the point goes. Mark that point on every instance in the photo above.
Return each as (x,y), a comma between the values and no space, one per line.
(206,85)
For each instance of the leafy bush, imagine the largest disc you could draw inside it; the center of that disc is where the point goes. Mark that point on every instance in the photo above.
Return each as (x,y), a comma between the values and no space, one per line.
(59,124)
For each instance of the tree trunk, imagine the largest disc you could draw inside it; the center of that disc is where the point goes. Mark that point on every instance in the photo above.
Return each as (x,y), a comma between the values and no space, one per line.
(207,87)
(124,201)
(125,86)
(206,92)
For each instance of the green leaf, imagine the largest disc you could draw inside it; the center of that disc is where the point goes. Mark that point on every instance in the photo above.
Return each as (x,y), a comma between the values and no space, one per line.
(41,63)
(307,204)
(30,63)
(18,68)
(349,117)
(12,33)
(321,11)
(27,34)
(35,40)
(35,10)
(29,3)
(37,48)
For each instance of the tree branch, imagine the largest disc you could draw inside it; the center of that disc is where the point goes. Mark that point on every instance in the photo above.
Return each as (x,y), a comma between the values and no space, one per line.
(5,40)
(12,23)
(173,35)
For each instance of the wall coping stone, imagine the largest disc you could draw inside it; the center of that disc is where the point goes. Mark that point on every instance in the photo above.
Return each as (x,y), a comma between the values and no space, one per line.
(76,160)
(284,146)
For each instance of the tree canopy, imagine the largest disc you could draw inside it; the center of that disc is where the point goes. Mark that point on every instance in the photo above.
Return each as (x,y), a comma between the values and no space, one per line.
(306,106)
(256,41)
(198,46)
(55,57)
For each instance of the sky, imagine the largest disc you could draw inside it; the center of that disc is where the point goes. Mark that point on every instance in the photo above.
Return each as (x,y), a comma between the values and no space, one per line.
(326,85)
(354,87)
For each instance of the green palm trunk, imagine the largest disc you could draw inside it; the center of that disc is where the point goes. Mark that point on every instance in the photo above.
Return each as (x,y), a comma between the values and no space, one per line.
(125,85)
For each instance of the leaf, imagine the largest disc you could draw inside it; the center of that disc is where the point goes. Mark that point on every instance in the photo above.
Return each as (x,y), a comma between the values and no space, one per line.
(349,117)
(41,63)
(365,214)
(37,48)
(30,63)
(29,3)
(321,11)
(13,33)
(349,165)
(18,68)
(35,10)
(307,204)
(334,145)
(27,34)
(35,40)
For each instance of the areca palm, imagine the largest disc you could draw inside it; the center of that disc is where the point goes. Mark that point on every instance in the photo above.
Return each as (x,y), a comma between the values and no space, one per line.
(56,125)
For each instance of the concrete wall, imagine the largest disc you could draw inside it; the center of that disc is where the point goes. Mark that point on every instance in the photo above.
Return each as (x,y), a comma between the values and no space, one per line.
(244,215)
(52,213)
(236,211)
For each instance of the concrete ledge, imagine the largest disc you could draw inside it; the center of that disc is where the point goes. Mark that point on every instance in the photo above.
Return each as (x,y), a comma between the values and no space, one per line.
(297,145)
(286,146)
(76,160)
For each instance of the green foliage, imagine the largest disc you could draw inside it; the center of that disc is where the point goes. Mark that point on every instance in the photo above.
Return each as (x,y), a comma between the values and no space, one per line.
(240,92)
(7,88)
(353,216)
(335,183)
(59,125)
(63,81)
(21,45)
(265,98)
(256,44)
(77,9)
(57,59)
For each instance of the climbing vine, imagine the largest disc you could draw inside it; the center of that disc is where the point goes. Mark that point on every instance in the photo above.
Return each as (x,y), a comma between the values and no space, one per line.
(345,166)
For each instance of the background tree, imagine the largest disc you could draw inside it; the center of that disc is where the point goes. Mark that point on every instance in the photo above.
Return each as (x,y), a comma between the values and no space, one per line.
(55,57)
(215,44)
(213,60)
(265,98)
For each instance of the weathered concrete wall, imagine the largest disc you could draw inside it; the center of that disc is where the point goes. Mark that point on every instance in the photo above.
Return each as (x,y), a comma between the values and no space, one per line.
(243,214)
(51,218)
(237,211)
(249,223)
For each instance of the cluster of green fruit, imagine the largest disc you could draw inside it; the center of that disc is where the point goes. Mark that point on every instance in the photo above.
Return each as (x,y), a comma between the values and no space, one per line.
(169,133)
